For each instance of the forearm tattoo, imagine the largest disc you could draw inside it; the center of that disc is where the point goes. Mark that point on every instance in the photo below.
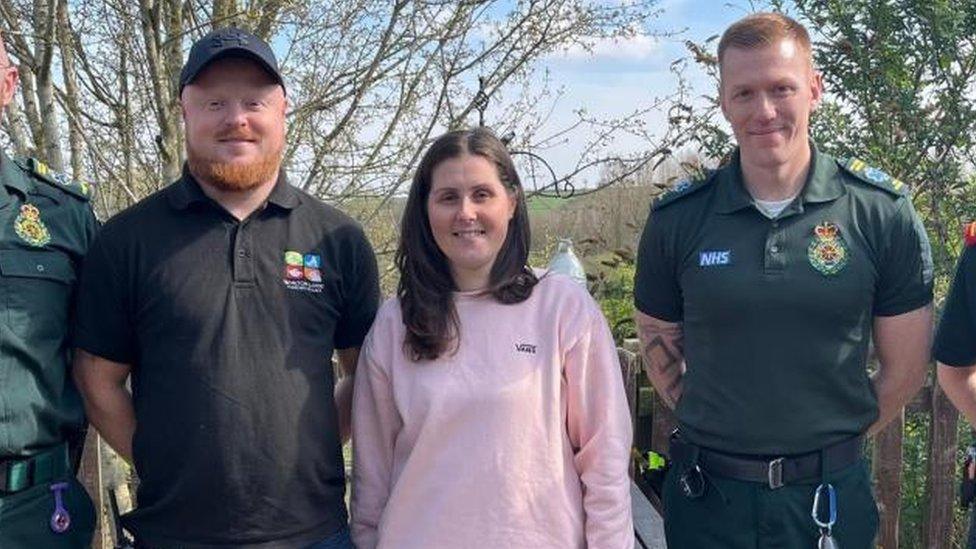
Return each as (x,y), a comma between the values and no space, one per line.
(662,348)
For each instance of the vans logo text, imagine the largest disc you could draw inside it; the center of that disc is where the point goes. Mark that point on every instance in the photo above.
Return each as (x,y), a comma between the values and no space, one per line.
(525,348)
(713,258)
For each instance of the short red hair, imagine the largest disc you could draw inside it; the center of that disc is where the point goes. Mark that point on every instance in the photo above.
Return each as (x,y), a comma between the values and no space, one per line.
(763,29)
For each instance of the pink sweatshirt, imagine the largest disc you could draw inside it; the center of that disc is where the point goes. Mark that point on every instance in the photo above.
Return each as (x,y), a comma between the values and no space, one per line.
(520,439)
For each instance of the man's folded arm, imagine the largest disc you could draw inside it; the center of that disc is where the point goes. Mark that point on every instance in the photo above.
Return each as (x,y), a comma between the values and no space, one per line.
(662,348)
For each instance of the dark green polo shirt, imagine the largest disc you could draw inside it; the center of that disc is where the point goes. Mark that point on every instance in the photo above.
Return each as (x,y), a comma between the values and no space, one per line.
(46,225)
(229,327)
(955,338)
(777,314)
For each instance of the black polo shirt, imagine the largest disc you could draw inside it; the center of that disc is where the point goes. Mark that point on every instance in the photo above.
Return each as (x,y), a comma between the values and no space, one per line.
(229,327)
(955,340)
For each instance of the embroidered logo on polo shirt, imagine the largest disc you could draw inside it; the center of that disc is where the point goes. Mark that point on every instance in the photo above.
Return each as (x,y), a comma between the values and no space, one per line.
(303,272)
(714,258)
(827,252)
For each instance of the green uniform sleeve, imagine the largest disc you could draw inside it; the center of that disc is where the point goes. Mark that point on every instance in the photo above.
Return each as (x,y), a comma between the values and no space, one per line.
(955,339)
(905,281)
(656,289)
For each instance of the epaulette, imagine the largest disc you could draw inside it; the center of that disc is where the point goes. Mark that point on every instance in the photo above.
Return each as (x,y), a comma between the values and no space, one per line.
(42,172)
(969,233)
(680,190)
(874,176)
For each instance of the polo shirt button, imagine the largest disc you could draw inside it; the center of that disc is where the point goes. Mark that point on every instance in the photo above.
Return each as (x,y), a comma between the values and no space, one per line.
(774,249)
(241,253)
(40,268)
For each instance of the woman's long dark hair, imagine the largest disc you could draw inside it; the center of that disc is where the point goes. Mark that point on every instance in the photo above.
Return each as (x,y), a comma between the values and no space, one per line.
(426,286)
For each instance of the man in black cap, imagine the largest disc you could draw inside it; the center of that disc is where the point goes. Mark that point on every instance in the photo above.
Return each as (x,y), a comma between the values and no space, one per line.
(225,295)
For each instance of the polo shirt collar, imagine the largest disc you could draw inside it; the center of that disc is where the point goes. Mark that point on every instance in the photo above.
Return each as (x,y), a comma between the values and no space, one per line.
(187,191)
(283,194)
(732,195)
(822,184)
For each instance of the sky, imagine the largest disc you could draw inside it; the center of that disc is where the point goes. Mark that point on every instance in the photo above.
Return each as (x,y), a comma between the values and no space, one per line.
(618,77)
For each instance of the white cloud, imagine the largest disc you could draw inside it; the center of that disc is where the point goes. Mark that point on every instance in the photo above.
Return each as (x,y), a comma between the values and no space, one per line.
(631,48)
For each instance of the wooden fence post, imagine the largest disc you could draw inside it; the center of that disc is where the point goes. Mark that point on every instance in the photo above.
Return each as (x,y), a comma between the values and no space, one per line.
(941,471)
(90,475)
(630,368)
(887,464)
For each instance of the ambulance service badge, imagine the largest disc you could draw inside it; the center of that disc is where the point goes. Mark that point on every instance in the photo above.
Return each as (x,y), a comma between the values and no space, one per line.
(29,226)
(827,252)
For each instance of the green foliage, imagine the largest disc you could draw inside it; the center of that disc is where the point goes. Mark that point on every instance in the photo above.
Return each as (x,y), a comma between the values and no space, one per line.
(900,75)
(612,285)
(914,498)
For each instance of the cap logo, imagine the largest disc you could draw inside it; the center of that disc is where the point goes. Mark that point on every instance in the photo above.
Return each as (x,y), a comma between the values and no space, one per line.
(232,38)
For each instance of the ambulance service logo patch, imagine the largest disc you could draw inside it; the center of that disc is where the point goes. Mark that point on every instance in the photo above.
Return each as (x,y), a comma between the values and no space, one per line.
(828,252)
(30,228)
(303,272)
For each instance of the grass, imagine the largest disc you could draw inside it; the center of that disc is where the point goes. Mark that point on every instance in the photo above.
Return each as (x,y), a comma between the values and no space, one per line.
(541,204)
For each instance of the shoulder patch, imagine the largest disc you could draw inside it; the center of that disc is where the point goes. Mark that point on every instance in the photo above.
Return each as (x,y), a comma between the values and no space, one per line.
(874,176)
(969,233)
(42,172)
(680,190)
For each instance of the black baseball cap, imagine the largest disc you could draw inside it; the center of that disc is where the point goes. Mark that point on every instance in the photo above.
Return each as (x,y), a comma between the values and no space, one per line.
(228,42)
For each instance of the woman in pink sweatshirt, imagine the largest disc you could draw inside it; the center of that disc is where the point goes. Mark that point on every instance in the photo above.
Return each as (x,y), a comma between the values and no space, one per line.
(489,409)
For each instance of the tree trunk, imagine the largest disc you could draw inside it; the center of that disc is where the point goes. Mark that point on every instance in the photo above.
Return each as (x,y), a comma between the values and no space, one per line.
(225,14)
(13,123)
(50,142)
(30,112)
(162,32)
(66,45)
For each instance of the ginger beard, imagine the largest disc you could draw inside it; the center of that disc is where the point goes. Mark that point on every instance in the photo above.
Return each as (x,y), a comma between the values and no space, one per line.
(233,176)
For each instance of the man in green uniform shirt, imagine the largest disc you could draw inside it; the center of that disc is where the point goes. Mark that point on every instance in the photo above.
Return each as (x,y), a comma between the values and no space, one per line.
(45,227)
(758,291)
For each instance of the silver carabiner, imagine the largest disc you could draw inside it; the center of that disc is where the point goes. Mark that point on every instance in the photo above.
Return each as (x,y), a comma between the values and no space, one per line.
(831,503)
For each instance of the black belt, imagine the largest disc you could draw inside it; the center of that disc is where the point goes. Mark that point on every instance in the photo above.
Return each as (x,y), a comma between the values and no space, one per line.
(776,471)
(17,475)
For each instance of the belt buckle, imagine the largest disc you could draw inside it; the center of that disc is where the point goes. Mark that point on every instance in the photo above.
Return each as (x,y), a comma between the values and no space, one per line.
(774,473)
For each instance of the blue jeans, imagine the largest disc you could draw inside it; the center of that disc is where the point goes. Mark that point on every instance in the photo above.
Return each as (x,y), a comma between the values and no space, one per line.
(339,540)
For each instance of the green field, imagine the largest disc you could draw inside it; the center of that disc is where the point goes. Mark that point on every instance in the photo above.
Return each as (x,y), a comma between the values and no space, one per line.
(541,204)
